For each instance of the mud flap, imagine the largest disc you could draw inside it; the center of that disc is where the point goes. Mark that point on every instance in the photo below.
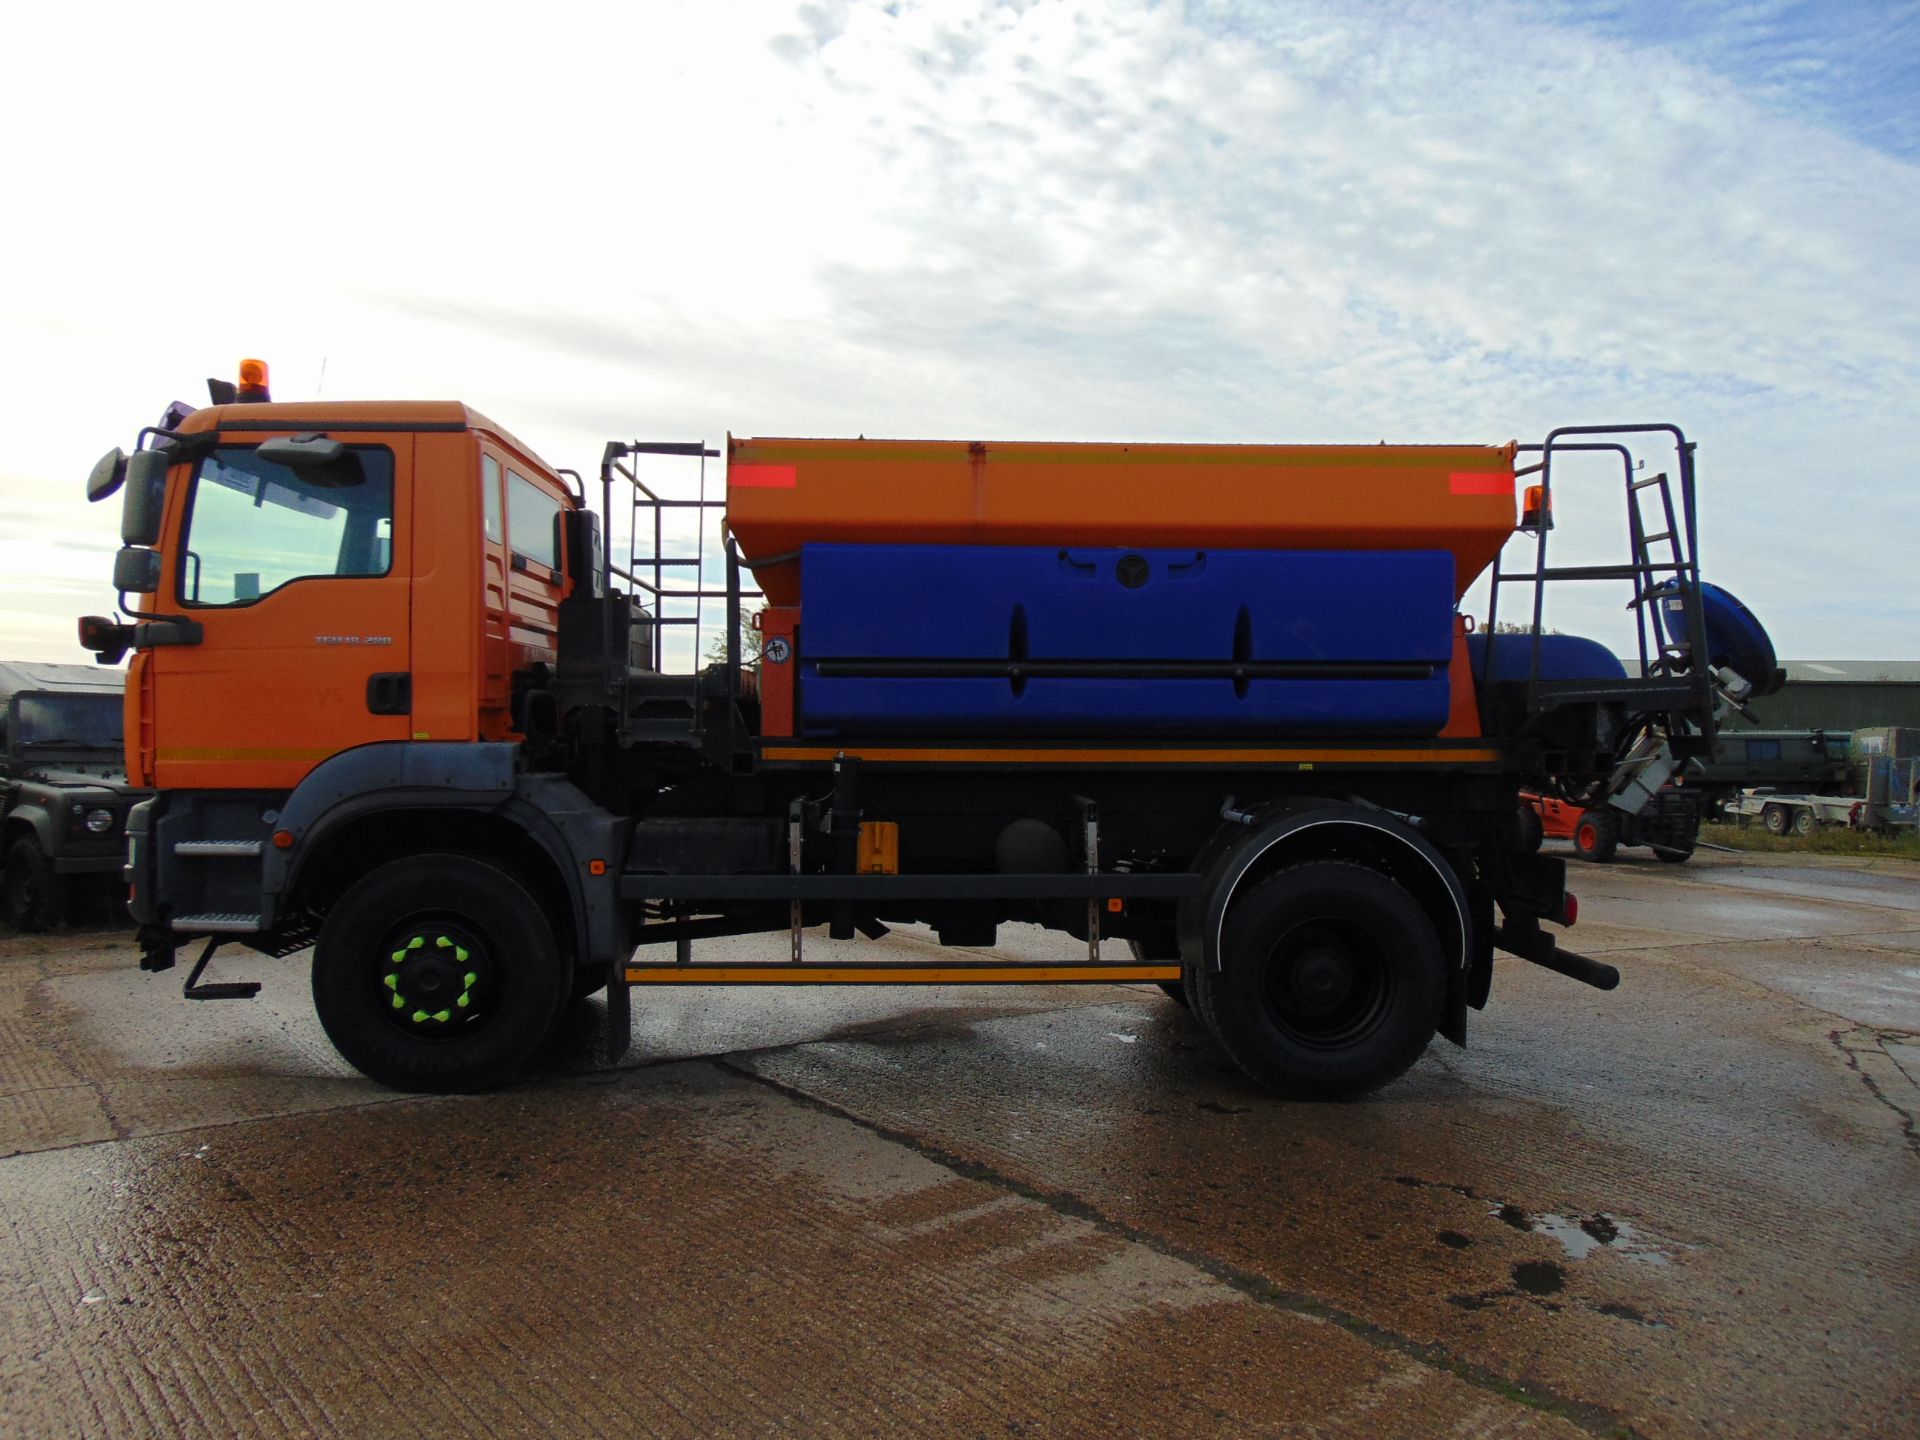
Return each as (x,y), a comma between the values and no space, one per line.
(619,1012)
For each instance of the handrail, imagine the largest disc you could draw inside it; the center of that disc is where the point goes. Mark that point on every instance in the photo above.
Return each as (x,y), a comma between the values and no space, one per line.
(1681,535)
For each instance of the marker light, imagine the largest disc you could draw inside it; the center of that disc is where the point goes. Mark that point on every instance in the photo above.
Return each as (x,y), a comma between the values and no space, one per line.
(253,382)
(1537,512)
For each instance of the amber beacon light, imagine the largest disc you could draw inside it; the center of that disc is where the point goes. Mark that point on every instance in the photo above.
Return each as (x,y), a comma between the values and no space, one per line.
(253,382)
(1537,511)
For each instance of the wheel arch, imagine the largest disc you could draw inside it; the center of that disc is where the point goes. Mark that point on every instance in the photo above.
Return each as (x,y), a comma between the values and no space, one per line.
(378,803)
(1243,853)
(357,843)
(29,819)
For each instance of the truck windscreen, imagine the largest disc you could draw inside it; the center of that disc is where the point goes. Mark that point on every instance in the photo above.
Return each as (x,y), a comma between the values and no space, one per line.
(254,526)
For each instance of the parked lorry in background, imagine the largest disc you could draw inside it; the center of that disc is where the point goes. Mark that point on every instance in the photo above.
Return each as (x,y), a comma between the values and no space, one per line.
(1798,762)
(64,795)
(1883,786)
(403,701)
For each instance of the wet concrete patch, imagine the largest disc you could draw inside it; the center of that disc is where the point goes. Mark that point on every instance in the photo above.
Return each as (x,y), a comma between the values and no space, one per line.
(1052,1210)
(683,1254)
(1539,1277)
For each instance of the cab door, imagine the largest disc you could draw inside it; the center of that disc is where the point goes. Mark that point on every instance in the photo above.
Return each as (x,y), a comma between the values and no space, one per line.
(299,578)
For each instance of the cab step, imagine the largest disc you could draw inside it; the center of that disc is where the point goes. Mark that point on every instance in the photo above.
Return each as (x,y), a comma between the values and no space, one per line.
(216,924)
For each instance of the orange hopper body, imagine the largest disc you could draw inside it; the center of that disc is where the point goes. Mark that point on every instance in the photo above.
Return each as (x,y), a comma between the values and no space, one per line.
(783,494)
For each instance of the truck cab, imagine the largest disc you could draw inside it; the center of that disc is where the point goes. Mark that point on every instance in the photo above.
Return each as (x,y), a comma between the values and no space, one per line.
(316,594)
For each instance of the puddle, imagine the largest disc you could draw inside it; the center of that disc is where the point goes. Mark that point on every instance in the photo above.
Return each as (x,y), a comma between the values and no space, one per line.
(1581,1235)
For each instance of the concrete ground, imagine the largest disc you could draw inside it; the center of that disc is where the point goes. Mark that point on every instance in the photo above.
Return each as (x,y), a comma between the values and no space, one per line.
(1688,1207)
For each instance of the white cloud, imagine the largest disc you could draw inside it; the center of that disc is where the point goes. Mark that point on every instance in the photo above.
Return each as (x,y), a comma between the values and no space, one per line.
(1044,220)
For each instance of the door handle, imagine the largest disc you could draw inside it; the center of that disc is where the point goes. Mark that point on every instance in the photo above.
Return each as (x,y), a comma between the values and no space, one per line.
(390,692)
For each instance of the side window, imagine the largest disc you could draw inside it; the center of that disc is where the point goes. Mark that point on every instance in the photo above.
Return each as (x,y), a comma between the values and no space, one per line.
(254,526)
(530,516)
(490,484)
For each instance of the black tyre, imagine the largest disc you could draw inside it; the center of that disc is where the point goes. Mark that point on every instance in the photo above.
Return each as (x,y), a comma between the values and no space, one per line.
(36,898)
(587,983)
(1176,991)
(437,973)
(1776,819)
(1533,830)
(1330,984)
(1803,822)
(1674,857)
(1596,836)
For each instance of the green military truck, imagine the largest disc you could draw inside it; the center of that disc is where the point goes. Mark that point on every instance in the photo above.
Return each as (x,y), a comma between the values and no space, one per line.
(64,794)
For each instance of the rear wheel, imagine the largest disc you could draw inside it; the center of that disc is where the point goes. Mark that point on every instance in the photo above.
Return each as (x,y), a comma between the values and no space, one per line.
(36,897)
(1330,982)
(1596,836)
(1803,822)
(437,973)
(1533,829)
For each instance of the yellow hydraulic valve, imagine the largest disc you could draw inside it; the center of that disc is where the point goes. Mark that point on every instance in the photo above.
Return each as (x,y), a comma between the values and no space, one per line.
(879,847)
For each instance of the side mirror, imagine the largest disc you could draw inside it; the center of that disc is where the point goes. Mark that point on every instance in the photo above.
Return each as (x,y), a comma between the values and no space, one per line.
(146,497)
(107,640)
(109,474)
(302,452)
(136,571)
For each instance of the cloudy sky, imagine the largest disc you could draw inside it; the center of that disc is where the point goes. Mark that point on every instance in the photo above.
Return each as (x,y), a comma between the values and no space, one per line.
(1051,220)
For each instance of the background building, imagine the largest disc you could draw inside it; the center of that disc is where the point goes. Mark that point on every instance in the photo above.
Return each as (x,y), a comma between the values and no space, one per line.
(1841,695)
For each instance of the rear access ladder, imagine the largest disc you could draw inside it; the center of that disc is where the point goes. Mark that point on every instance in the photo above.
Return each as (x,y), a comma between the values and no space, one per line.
(1662,537)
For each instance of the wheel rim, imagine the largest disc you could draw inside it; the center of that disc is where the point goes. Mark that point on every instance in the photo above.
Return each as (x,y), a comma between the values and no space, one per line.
(1327,982)
(435,977)
(1586,838)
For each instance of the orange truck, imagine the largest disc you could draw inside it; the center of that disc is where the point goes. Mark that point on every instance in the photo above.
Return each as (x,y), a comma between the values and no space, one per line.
(1209,710)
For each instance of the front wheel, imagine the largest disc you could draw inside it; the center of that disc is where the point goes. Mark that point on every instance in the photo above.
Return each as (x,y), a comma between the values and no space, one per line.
(437,973)
(1776,819)
(1330,983)
(1596,836)
(36,897)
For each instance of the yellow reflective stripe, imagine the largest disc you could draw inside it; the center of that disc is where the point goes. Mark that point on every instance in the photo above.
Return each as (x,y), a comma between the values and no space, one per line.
(240,752)
(1381,755)
(809,974)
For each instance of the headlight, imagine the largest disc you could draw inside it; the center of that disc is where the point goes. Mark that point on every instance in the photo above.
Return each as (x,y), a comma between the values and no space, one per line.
(100,821)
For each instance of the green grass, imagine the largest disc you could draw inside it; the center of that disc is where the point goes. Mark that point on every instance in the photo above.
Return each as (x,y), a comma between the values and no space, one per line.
(1827,840)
